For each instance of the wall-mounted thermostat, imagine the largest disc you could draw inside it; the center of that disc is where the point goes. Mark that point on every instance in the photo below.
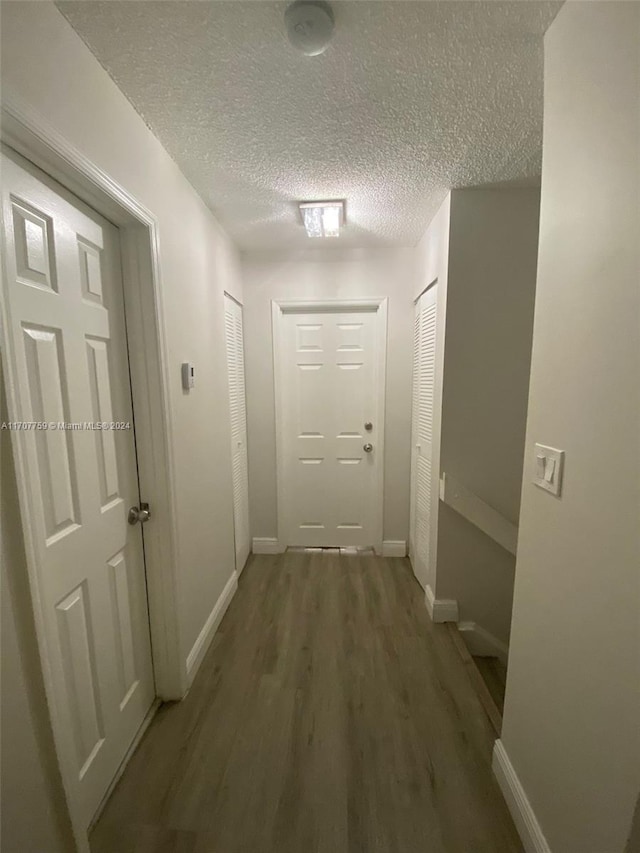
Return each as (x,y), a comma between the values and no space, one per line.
(188,375)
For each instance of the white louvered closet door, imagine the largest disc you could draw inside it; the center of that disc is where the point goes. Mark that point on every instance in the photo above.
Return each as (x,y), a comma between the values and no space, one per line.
(237,402)
(424,494)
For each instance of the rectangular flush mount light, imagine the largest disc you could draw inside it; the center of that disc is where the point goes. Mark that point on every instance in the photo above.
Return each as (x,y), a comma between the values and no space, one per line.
(322,218)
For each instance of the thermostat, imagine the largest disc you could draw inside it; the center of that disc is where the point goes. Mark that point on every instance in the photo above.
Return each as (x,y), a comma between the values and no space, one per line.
(188,375)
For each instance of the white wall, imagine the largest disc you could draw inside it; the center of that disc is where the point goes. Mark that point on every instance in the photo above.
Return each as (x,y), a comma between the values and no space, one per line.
(328,274)
(432,252)
(572,717)
(46,65)
(493,244)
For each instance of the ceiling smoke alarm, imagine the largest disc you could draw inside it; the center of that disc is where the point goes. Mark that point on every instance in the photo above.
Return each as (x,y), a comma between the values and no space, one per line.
(310,26)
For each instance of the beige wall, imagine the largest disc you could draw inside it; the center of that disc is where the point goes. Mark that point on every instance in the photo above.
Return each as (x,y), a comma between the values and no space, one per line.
(328,274)
(493,243)
(47,66)
(572,716)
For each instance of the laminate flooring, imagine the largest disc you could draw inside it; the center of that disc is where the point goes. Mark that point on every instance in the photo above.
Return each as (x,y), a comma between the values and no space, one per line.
(329,716)
(494,673)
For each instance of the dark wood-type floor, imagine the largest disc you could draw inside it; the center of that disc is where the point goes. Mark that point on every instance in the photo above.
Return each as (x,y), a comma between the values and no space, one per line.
(494,673)
(329,716)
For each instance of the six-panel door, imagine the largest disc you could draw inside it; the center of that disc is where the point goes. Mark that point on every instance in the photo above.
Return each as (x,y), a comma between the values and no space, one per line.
(329,393)
(65,319)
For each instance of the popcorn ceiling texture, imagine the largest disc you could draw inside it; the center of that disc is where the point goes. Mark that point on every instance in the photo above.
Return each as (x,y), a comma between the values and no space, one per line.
(410,100)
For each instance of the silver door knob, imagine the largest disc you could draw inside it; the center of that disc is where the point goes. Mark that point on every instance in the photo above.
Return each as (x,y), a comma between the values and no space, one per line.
(139,514)
(368,426)
(367,448)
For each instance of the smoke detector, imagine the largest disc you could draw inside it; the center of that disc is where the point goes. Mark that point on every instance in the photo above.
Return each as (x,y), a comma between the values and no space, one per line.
(309,25)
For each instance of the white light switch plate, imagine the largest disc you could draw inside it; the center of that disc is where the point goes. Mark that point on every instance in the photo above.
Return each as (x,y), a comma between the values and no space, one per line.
(548,468)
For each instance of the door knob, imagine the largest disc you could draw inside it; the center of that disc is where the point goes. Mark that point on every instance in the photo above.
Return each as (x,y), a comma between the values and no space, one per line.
(368,426)
(140,514)
(367,448)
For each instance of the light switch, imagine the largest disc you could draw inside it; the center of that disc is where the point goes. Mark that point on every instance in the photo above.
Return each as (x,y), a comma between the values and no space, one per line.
(548,471)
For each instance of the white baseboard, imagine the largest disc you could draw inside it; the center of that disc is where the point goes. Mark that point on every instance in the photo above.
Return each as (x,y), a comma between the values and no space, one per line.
(481,642)
(441,609)
(394,548)
(194,658)
(266,545)
(523,815)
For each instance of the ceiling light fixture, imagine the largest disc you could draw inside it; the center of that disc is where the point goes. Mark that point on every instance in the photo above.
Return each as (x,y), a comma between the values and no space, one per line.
(322,218)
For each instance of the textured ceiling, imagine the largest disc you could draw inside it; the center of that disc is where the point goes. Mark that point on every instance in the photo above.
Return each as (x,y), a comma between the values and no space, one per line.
(409,100)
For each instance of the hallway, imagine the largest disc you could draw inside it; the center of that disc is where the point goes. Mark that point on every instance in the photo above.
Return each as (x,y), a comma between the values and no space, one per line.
(328,274)
(329,715)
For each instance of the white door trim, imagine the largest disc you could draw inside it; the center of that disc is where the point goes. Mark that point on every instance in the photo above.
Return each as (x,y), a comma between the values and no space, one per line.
(303,306)
(233,298)
(280,307)
(27,133)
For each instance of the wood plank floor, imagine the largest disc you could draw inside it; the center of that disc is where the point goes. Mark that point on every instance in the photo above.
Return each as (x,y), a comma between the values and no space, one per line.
(329,716)
(494,673)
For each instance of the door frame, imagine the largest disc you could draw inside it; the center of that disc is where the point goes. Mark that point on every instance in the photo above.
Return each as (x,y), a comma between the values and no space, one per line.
(28,134)
(282,307)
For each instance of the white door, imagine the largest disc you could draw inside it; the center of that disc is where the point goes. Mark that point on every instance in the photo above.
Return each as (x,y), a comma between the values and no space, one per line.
(237,402)
(330,447)
(68,364)
(423,493)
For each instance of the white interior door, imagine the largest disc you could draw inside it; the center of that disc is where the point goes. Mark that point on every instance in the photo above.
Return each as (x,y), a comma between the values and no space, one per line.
(331,380)
(67,364)
(237,402)
(423,494)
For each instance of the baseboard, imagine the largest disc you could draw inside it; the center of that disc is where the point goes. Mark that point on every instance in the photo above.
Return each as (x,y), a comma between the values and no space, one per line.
(194,658)
(266,545)
(481,643)
(523,815)
(394,548)
(441,609)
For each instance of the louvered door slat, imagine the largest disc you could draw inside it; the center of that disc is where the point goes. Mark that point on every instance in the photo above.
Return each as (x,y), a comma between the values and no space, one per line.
(238,412)
(414,431)
(422,475)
